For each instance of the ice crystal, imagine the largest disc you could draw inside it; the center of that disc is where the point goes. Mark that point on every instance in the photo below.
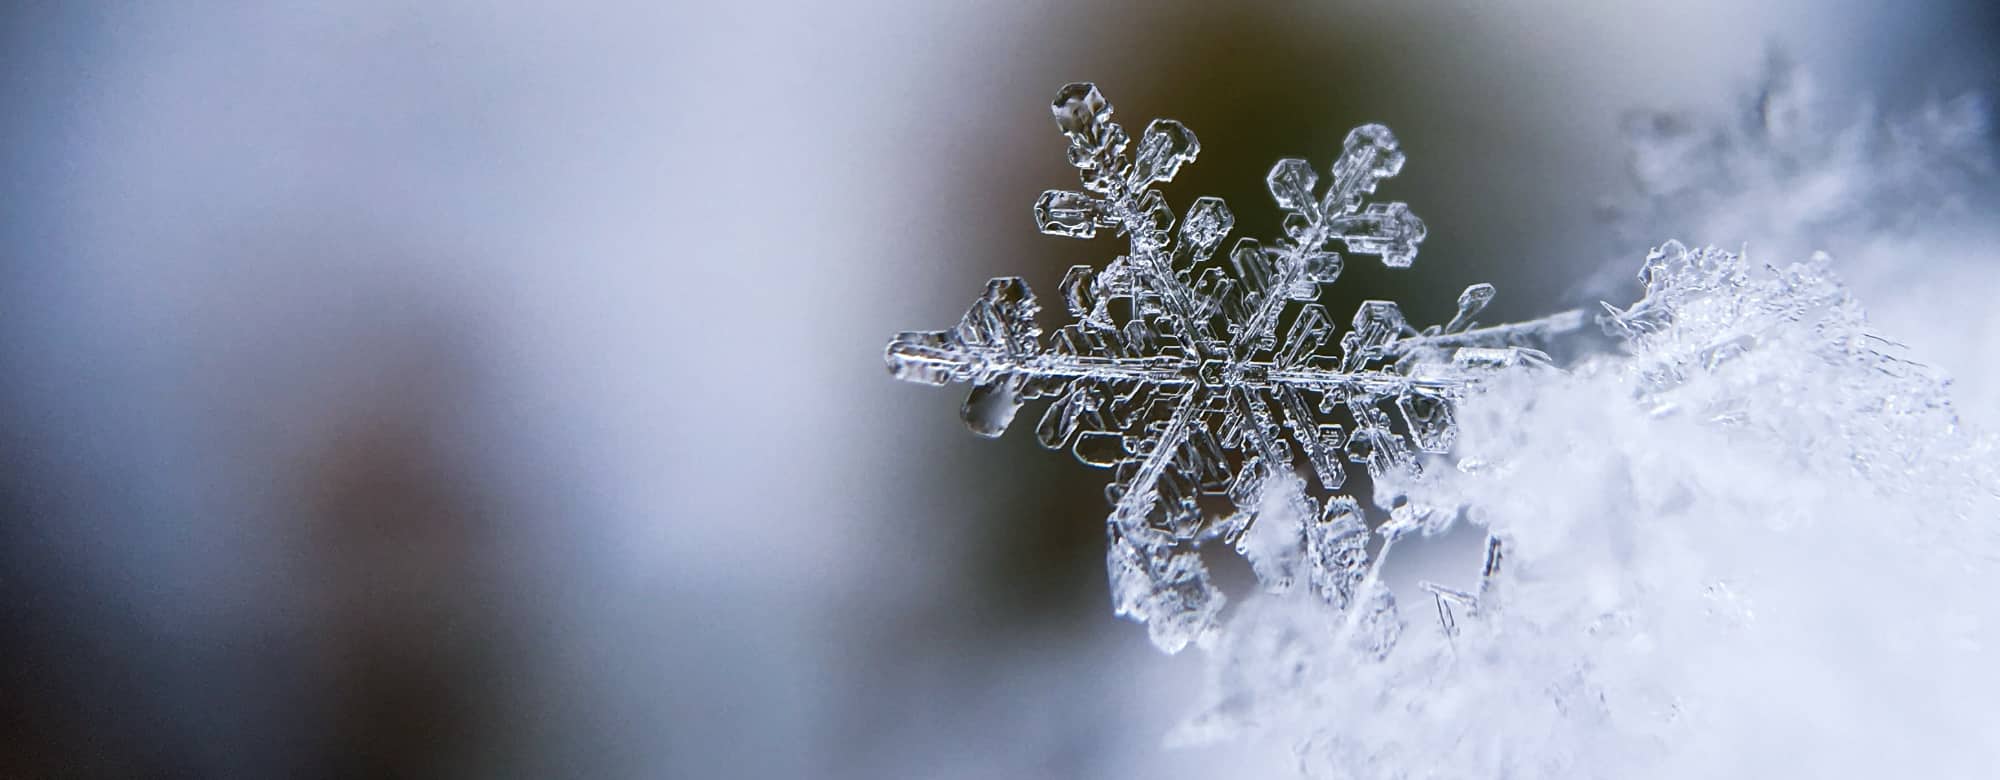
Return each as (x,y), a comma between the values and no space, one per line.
(1176,375)
(1827,386)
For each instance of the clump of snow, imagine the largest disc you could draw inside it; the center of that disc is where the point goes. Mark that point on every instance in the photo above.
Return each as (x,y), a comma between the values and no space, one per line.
(1754,541)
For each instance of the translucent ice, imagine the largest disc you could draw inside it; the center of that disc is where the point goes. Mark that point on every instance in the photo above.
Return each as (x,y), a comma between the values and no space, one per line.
(1175,373)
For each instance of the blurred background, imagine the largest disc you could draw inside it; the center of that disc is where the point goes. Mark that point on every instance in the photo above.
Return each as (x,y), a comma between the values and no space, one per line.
(494,389)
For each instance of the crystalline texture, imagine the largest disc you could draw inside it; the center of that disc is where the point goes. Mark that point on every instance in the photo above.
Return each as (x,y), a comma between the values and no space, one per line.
(1194,389)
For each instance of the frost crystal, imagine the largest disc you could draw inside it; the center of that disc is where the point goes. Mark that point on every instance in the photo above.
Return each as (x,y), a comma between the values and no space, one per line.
(1837,394)
(1177,375)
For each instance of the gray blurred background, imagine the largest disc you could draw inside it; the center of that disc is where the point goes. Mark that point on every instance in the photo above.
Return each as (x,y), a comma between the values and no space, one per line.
(494,389)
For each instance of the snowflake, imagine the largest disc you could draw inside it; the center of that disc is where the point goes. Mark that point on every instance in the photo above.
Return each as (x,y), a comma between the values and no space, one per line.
(1174,373)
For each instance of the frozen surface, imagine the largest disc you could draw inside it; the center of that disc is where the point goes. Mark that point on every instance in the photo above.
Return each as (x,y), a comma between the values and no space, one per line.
(1177,376)
(1752,542)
